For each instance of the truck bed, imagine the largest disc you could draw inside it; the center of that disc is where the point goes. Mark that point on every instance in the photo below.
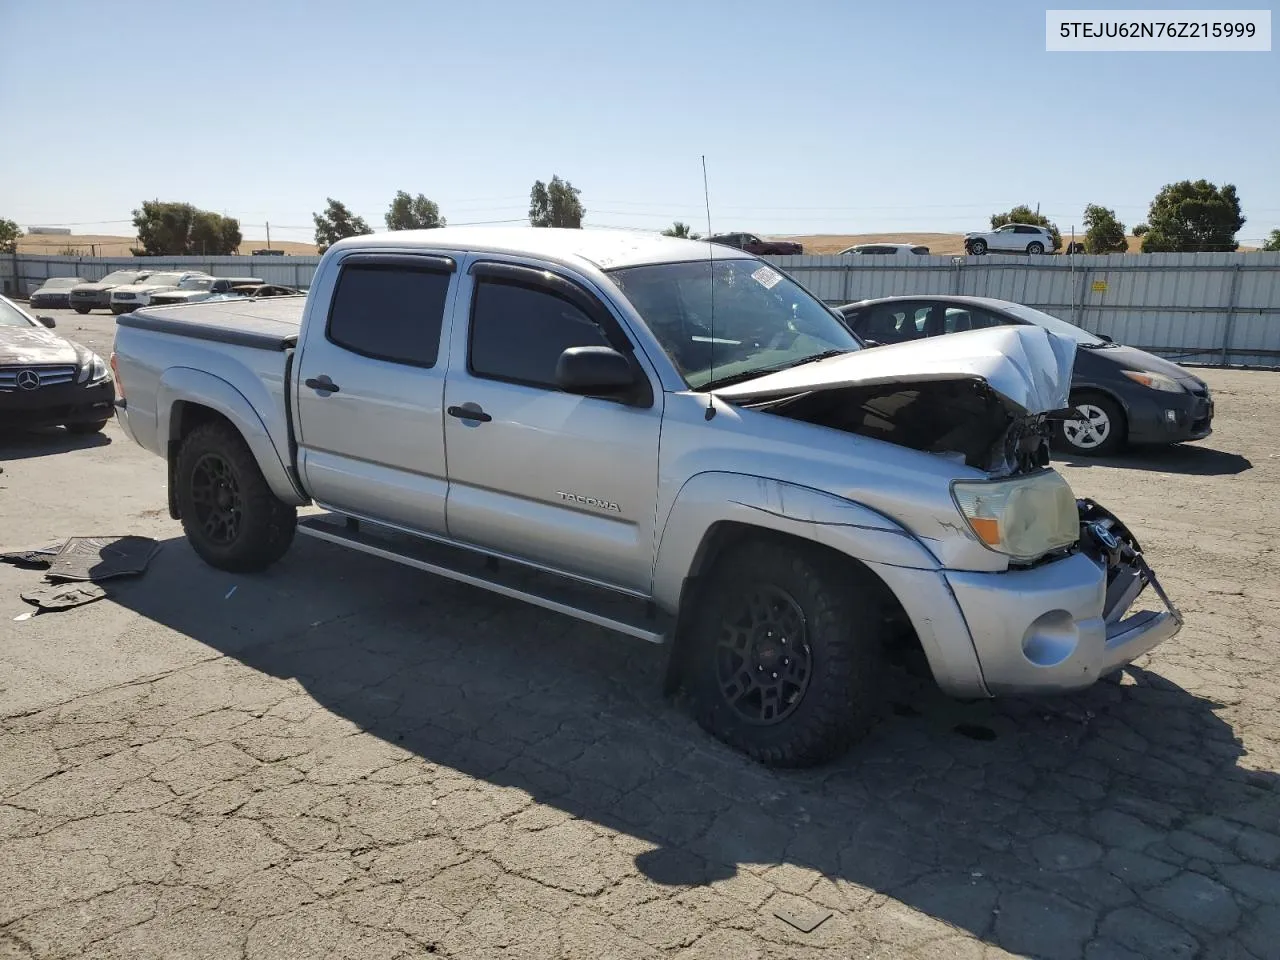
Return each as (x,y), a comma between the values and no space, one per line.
(270,324)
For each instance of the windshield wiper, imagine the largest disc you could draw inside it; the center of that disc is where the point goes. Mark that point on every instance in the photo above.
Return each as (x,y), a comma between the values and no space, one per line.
(765,371)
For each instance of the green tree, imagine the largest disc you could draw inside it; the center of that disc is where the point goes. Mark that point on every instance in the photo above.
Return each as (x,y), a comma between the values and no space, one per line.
(1103,233)
(555,204)
(1272,243)
(1193,217)
(1141,230)
(1024,214)
(171,229)
(681,229)
(413,213)
(336,223)
(9,234)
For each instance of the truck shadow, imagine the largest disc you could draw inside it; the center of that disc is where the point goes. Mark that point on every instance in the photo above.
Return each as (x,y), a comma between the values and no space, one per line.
(998,818)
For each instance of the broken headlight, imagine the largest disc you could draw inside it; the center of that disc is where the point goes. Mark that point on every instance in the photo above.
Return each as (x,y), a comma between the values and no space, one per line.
(1024,517)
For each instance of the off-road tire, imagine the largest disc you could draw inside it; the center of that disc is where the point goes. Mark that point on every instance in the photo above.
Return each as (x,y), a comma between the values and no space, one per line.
(844,635)
(83,310)
(1114,442)
(82,428)
(265,525)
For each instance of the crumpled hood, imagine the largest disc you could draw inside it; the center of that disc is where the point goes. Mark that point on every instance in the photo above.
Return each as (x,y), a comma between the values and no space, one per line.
(20,346)
(1026,365)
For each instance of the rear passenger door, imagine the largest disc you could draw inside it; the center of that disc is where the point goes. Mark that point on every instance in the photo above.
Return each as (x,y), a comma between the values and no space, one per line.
(370,391)
(566,481)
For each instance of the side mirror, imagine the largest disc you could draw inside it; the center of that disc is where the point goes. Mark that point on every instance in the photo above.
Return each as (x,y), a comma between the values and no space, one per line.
(48,322)
(595,371)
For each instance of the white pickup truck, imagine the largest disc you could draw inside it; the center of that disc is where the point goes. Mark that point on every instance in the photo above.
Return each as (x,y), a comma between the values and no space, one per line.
(666,438)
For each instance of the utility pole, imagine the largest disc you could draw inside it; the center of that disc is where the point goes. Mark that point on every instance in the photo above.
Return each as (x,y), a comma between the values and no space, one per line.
(268,234)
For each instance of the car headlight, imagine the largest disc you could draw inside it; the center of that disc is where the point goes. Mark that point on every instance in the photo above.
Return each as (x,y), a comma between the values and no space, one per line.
(1025,517)
(1156,381)
(93,371)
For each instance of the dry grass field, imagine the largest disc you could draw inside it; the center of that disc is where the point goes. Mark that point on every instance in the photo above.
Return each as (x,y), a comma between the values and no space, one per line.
(91,245)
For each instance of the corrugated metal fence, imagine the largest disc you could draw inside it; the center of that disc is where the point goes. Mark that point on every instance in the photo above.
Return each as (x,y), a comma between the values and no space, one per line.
(1205,308)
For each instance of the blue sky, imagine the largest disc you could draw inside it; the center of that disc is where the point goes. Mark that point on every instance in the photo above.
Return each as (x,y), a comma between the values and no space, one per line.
(815,117)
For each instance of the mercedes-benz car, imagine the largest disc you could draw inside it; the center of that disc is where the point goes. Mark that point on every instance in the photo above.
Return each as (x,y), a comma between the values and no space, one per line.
(46,380)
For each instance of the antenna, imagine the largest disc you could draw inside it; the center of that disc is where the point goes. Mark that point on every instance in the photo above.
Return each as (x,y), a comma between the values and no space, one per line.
(711,279)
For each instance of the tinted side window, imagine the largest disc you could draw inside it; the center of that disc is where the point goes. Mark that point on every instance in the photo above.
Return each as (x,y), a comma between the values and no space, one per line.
(389,312)
(895,322)
(960,319)
(519,332)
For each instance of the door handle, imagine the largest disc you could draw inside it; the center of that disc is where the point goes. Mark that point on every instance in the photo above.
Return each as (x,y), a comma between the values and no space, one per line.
(469,411)
(321,384)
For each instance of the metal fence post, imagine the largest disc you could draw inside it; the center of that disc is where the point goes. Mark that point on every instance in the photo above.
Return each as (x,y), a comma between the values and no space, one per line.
(1232,298)
(848,283)
(1083,293)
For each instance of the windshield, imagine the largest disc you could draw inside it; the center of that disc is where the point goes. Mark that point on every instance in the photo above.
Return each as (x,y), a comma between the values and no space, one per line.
(11,316)
(164,279)
(61,283)
(763,320)
(196,283)
(1054,325)
(121,276)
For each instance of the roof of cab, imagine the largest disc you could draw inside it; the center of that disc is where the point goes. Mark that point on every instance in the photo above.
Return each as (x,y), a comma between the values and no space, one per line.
(603,248)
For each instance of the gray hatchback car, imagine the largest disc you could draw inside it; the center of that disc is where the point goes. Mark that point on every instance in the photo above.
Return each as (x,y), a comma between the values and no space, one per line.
(1127,396)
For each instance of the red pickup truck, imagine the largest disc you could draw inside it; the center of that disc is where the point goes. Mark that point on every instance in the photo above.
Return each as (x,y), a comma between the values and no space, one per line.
(753,244)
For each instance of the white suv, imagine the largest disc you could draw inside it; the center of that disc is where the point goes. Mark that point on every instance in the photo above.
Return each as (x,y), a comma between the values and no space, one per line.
(1011,238)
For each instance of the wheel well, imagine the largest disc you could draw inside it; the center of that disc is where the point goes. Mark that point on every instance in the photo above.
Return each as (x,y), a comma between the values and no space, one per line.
(726,535)
(184,418)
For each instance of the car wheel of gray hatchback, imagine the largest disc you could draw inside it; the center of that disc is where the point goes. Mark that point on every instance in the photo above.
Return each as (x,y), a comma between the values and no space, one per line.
(978,248)
(1100,433)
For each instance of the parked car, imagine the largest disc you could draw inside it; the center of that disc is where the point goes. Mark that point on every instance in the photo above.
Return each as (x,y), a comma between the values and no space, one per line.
(1127,396)
(806,495)
(753,244)
(1011,238)
(53,294)
(130,296)
(48,381)
(885,250)
(97,295)
(195,289)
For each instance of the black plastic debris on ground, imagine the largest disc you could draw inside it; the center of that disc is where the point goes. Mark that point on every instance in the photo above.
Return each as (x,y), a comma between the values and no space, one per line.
(74,567)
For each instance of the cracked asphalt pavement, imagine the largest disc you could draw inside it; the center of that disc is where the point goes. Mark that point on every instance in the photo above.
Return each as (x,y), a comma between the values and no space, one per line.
(346,758)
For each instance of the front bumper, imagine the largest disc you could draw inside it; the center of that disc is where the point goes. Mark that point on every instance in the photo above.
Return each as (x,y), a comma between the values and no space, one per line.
(58,405)
(1048,629)
(1158,417)
(92,301)
(49,302)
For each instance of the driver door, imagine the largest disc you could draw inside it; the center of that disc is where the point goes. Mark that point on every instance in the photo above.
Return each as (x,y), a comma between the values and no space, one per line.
(565,481)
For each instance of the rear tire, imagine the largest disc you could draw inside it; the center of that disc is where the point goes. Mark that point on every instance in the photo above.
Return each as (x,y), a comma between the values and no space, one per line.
(787,653)
(1035,249)
(230,516)
(82,310)
(83,428)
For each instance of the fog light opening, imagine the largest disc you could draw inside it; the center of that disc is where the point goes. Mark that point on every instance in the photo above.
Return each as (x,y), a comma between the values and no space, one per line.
(1051,639)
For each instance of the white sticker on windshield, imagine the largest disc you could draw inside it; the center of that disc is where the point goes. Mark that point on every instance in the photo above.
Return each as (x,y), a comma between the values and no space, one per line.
(767,277)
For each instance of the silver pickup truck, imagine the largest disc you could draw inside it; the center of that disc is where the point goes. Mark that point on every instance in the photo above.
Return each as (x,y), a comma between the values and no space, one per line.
(666,438)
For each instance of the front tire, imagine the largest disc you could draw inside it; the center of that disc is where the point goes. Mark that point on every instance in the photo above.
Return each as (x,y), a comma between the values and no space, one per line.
(978,247)
(82,310)
(230,516)
(83,428)
(787,654)
(1101,434)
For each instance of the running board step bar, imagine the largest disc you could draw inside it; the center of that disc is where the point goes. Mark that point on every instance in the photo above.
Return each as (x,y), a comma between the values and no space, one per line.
(603,608)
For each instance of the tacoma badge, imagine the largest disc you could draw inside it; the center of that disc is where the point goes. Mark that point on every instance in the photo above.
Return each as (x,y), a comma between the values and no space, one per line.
(589,501)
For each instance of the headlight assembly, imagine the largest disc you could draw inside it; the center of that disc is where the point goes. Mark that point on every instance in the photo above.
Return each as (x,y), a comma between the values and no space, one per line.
(93,371)
(1156,381)
(1024,517)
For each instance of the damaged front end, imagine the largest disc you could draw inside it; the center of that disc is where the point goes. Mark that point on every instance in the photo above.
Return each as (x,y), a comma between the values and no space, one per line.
(1112,546)
(985,398)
